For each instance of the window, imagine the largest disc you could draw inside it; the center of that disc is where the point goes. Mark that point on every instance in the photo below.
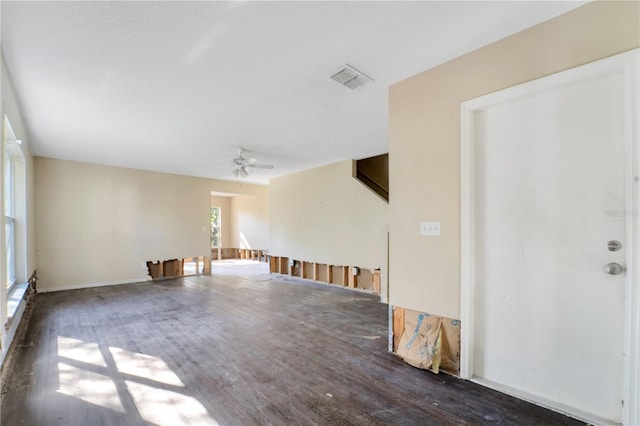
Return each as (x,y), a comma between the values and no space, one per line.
(14,207)
(9,219)
(216,225)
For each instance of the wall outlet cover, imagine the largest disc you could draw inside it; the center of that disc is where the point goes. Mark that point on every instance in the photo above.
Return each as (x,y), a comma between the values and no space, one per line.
(430,229)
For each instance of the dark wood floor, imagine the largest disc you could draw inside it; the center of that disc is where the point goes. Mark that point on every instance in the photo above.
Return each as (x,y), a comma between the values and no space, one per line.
(232,350)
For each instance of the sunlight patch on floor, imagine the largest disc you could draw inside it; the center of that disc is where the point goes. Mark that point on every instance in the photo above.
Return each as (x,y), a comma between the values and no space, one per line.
(145,366)
(79,350)
(155,405)
(89,386)
(168,408)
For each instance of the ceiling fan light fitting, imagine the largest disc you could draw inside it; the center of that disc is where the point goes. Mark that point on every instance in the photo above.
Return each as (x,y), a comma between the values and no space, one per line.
(241,164)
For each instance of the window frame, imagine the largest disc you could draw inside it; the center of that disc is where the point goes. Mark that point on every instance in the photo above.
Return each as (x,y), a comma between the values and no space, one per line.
(14,183)
(216,225)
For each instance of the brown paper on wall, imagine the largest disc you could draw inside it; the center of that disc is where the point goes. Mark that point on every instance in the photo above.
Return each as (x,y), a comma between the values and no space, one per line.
(421,342)
(450,354)
(398,326)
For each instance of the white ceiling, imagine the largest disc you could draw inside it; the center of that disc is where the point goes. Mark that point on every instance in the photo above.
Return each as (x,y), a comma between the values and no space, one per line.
(179,86)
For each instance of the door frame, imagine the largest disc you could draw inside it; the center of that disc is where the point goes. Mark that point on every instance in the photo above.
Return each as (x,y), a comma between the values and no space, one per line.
(628,64)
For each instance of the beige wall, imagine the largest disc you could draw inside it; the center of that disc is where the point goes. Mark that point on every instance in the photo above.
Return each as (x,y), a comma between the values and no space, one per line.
(424,146)
(225,205)
(324,215)
(250,221)
(98,224)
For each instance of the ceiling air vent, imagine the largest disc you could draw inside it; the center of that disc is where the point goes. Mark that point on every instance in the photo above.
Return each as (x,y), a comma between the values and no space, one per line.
(350,77)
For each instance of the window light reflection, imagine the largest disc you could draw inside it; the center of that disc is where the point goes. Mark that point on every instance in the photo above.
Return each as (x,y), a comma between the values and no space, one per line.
(89,386)
(145,366)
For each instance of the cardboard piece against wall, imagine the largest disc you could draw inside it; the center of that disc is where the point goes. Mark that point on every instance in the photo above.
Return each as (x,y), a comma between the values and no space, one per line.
(421,341)
(405,328)
(398,326)
(450,354)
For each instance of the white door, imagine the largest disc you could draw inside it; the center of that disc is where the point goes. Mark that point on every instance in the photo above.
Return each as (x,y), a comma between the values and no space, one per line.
(549,212)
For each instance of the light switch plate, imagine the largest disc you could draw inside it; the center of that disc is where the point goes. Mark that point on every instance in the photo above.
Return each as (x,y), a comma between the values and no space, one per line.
(430,229)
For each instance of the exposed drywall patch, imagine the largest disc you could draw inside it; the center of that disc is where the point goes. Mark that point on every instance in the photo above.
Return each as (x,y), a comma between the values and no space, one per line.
(229,253)
(310,270)
(274,266)
(340,275)
(176,268)
(364,280)
(324,273)
(154,269)
(284,266)
(377,281)
(326,216)
(296,269)
(173,268)
(257,255)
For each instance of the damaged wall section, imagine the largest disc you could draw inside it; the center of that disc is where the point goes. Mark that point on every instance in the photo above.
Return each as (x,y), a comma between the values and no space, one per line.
(176,268)
(339,275)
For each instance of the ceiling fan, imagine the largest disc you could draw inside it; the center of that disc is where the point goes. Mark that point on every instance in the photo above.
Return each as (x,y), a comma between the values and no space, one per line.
(242,164)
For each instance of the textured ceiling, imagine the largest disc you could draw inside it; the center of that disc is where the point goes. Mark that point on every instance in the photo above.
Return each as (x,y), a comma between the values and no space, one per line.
(179,86)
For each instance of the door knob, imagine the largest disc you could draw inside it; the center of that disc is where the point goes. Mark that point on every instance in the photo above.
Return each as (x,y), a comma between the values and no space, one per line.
(614,268)
(614,245)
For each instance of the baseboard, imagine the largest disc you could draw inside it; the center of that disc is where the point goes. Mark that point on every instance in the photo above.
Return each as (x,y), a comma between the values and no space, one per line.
(100,284)
(544,402)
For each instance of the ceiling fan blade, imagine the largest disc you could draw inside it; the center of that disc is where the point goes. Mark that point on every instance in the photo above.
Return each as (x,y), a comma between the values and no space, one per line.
(260,166)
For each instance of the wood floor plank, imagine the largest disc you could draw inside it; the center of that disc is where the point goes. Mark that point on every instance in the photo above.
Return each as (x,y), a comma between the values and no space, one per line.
(230,349)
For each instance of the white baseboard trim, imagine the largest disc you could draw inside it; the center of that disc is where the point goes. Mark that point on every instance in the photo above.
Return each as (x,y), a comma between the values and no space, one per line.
(544,402)
(101,284)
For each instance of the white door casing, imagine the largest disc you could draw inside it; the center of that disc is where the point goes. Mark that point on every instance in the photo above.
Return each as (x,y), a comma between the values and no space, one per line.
(548,177)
